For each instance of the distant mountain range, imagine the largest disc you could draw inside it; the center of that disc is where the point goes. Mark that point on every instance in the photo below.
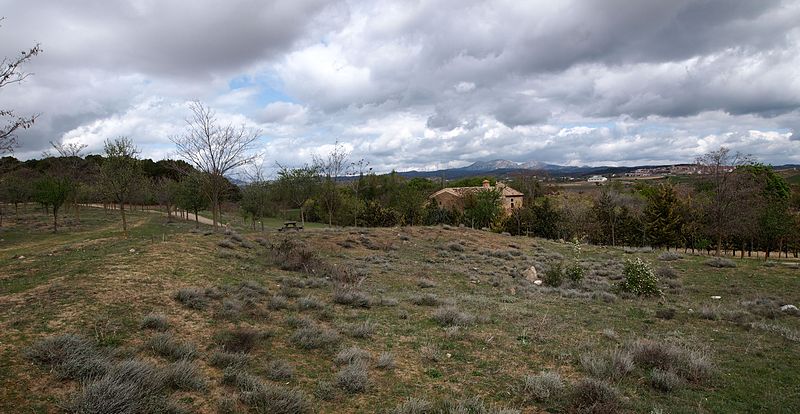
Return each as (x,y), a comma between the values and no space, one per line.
(502,168)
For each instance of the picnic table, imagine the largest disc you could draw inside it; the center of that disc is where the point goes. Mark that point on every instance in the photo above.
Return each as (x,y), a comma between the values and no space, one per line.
(290,225)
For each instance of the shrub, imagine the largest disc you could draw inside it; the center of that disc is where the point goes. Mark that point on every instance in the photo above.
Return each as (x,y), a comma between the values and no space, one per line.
(164,344)
(70,356)
(430,353)
(221,359)
(414,406)
(664,380)
(708,313)
(669,256)
(456,247)
(270,398)
(308,302)
(606,297)
(352,297)
(325,391)
(574,272)
(193,298)
(351,354)
(362,330)
(450,316)
(591,395)
(690,364)
(665,313)
(554,275)
(129,387)
(312,337)
(238,340)
(665,272)
(277,302)
(613,366)
(385,361)
(279,370)
(227,244)
(155,321)
(542,386)
(353,378)
(183,375)
(720,262)
(426,283)
(639,279)
(426,299)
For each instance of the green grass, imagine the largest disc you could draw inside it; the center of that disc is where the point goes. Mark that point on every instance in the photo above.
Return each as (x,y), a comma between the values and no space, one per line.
(87,280)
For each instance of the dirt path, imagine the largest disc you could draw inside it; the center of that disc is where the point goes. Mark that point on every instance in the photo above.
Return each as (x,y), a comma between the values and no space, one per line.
(190,217)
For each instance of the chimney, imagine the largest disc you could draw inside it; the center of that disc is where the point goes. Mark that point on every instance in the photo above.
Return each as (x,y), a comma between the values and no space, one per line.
(485,183)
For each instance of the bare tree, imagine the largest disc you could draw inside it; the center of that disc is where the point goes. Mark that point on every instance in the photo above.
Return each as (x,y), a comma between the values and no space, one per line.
(214,149)
(726,190)
(331,167)
(121,173)
(10,73)
(73,155)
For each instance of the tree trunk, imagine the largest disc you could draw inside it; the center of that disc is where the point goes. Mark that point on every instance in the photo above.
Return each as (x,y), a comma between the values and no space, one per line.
(719,245)
(55,220)
(124,221)
(196,219)
(302,217)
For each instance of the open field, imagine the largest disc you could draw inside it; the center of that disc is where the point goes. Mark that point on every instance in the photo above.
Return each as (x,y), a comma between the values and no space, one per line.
(362,320)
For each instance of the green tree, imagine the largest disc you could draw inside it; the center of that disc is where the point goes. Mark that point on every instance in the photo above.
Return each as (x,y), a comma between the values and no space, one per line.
(121,173)
(191,197)
(53,191)
(298,186)
(482,208)
(662,216)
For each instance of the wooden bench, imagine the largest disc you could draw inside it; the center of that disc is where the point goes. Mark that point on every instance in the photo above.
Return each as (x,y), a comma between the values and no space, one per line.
(290,225)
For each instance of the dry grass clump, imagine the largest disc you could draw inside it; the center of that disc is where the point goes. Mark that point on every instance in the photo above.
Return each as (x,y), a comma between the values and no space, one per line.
(192,297)
(430,353)
(277,302)
(720,262)
(268,398)
(612,366)
(542,386)
(184,375)
(664,380)
(362,330)
(665,272)
(426,283)
(352,354)
(279,370)
(385,361)
(413,406)
(690,364)
(167,346)
(455,247)
(669,256)
(314,336)
(70,356)
(238,340)
(708,313)
(349,296)
(593,396)
(764,307)
(786,332)
(155,321)
(222,359)
(353,377)
(129,387)
(309,302)
(425,299)
(451,316)
(227,244)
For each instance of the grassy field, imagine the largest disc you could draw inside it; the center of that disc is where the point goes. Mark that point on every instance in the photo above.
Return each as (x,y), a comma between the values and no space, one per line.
(405,320)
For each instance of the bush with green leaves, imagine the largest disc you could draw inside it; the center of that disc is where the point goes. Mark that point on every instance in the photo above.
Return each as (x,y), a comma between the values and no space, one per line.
(554,276)
(639,278)
(574,272)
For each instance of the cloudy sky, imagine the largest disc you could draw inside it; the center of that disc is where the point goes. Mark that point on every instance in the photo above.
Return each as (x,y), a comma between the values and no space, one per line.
(418,84)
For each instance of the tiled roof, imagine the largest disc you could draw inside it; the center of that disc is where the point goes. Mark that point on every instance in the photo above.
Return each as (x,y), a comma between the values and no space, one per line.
(506,191)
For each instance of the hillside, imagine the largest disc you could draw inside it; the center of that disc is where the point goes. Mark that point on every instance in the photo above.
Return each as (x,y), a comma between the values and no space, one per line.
(268,322)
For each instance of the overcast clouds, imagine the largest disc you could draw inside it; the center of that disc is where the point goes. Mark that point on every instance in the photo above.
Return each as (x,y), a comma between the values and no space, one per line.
(419,84)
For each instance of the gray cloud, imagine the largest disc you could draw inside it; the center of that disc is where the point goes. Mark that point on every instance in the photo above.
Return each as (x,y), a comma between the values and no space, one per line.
(425,84)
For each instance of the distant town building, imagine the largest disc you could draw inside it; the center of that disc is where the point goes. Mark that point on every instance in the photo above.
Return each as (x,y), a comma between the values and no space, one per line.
(597,179)
(453,198)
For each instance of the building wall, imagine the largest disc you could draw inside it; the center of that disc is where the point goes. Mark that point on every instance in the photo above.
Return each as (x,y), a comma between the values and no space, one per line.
(511,202)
